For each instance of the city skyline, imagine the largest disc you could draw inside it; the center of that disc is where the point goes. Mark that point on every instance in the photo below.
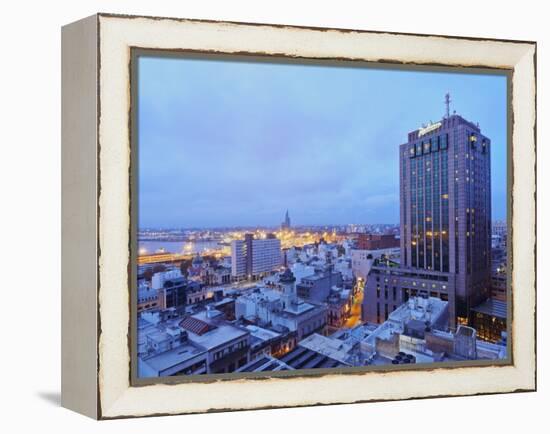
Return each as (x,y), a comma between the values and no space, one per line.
(218,151)
(266,226)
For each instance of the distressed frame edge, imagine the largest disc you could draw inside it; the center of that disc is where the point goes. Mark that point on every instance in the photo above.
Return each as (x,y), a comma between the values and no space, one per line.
(79,185)
(529,385)
(306,27)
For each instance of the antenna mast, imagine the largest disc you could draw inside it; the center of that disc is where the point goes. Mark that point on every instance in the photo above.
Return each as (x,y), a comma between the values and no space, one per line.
(448,102)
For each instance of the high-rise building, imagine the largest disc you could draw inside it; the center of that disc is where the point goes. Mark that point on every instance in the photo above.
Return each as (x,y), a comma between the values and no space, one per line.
(253,257)
(445,193)
(445,214)
(286,223)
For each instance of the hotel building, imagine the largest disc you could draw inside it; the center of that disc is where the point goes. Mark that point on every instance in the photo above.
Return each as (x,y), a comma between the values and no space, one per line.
(445,216)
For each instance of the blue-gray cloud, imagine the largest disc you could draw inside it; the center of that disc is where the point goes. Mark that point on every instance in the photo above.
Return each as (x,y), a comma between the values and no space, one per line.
(233,143)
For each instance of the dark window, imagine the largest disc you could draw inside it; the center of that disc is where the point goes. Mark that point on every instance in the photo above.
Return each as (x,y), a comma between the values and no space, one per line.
(435,144)
(443,141)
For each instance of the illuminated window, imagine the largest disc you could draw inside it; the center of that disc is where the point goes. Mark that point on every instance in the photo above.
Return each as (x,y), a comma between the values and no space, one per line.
(426,147)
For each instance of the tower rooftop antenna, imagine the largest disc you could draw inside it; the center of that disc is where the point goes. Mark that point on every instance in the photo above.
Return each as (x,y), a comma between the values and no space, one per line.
(448,103)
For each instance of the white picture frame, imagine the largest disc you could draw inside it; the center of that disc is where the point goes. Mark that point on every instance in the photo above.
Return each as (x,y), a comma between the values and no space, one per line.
(96,137)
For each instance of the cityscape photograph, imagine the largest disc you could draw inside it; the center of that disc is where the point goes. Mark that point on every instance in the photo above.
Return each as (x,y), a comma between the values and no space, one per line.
(314,216)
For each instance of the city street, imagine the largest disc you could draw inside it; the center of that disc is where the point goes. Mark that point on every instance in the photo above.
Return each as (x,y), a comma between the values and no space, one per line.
(355,317)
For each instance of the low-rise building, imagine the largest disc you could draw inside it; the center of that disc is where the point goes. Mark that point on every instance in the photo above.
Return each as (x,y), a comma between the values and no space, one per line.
(215,275)
(489,320)
(203,343)
(227,345)
(262,341)
(196,292)
(339,307)
(301,270)
(283,308)
(185,359)
(362,260)
(147,297)
(164,348)
(317,287)
(172,289)
(417,332)
(389,287)
(342,265)
(226,305)
(376,241)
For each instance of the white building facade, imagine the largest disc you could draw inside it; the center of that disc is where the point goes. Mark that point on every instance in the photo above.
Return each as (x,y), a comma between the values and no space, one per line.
(253,257)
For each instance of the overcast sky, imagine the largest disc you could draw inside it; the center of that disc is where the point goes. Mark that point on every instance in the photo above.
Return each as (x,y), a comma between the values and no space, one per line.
(225,143)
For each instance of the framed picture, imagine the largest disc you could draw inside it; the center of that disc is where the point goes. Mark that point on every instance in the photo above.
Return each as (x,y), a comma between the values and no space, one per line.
(261,216)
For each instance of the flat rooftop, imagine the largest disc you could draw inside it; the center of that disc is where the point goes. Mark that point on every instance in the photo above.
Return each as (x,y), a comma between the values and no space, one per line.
(265,364)
(168,359)
(336,349)
(262,333)
(409,272)
(221,332)
(298,308)
(304,358)
(493,307)
(264,294)
(383,331)
(419,308)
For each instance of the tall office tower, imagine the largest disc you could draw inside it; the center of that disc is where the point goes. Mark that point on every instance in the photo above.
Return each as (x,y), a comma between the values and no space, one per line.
(253,257)
(445,214)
